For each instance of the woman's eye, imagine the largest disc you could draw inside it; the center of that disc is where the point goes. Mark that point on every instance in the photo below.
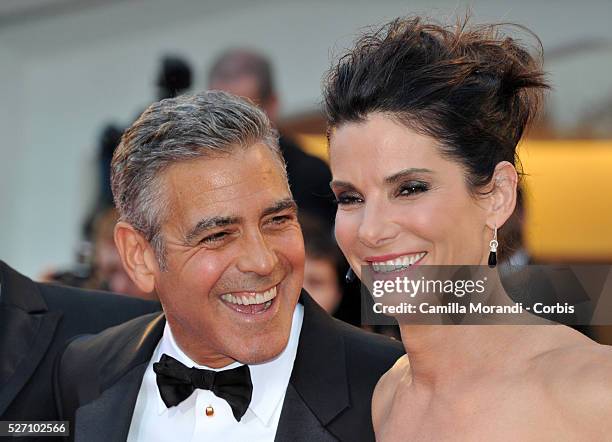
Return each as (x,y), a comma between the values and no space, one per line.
(346,199)
(412,188)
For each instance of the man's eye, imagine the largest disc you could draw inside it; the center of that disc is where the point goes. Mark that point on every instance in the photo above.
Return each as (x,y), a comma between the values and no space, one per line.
(215,237)
(412,188)
(347,199)
(281,219)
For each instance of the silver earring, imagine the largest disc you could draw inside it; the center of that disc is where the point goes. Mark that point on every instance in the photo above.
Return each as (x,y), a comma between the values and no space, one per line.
(493,249)
(350,276)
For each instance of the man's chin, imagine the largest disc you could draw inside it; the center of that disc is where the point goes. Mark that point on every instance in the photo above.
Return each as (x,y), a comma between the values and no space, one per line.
(261,352)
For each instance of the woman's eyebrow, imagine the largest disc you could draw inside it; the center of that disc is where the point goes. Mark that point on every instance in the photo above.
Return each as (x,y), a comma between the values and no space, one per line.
(402,174)
(338,183)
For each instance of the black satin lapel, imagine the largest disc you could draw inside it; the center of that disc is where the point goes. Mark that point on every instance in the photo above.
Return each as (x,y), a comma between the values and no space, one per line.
(319,371)
(298,423)
(24,340)
(20,291)
(108,418)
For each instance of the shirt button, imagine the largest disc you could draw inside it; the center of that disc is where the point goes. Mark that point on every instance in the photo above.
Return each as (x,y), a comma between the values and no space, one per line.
(210,411)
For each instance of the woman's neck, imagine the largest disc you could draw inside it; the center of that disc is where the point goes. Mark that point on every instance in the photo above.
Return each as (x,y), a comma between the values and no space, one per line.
(444,353)
(443,356)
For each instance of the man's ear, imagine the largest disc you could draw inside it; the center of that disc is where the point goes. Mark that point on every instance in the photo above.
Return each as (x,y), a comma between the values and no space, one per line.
(137,256)
(503,195)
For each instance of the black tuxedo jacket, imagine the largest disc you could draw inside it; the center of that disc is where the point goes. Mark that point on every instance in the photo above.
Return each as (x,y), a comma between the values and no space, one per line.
(328,397)
(35,321)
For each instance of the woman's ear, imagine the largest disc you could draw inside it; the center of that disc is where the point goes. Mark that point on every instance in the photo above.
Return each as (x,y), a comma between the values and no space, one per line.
(137,256)
(503,194)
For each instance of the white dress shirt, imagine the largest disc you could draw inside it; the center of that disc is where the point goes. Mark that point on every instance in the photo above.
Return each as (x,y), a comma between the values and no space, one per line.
(153,421)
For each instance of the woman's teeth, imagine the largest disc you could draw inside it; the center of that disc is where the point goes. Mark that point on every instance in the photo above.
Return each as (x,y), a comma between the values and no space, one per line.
(398,263)
(252,298)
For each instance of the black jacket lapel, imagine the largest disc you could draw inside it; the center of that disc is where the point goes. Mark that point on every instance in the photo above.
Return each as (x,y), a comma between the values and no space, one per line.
(319,377)
(298,423)
(26,331)
(108,418)
(104,403)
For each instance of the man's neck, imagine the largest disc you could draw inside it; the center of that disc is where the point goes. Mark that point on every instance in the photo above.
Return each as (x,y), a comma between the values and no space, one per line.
(195,351)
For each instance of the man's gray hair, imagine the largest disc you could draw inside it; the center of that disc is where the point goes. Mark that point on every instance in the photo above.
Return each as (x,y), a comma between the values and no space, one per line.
(174,130)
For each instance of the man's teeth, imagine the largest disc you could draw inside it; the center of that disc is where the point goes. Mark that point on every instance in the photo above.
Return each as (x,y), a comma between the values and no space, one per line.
(254,298)
(398,263)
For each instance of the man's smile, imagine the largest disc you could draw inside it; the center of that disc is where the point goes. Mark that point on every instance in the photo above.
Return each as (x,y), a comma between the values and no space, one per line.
(250,302)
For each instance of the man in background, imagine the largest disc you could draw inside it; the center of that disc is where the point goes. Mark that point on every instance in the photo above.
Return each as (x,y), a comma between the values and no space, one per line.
(248,74)
(35,321)
(107,271)
(322,267)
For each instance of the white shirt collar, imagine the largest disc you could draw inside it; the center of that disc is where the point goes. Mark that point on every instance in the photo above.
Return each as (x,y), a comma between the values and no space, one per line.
(270,379)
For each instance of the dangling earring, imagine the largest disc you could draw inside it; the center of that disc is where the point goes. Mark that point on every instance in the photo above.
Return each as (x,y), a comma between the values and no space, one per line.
(493,247)
(350,276)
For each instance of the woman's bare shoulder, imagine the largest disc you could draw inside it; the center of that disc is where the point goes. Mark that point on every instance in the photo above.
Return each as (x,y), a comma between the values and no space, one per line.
(577,357)
(386,387)
(579,379)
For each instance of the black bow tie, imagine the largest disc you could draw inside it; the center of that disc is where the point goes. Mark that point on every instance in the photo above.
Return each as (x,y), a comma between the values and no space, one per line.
(176,383)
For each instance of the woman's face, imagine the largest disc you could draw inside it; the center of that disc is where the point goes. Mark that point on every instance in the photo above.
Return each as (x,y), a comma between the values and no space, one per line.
(400,202)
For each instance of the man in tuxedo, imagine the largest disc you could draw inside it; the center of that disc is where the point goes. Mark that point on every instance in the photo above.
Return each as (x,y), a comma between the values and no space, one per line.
(241,352)
(35,321)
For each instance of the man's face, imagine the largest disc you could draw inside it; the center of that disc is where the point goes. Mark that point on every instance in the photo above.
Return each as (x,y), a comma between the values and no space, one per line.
(234,257)
(321,282)
(247,86)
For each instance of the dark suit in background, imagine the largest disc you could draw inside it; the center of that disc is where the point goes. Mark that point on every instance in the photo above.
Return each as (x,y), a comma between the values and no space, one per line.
(309,179)
(35,322)
(328,397)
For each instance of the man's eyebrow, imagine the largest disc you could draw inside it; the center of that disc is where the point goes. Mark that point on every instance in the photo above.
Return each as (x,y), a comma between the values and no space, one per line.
(402,174)
(279,206)
(210,223)
(221,221)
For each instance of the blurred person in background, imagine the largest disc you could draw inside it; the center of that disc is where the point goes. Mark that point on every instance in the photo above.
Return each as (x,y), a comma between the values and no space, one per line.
(107,270)
(174,77)
(322,265)
(247,73)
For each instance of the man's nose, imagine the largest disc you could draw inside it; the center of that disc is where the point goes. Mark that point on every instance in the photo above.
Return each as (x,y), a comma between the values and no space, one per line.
(257,256)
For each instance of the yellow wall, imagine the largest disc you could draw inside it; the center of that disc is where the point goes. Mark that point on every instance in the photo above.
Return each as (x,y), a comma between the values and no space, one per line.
(568,196)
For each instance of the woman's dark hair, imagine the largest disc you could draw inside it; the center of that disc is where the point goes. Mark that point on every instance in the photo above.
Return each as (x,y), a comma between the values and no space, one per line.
(471,88)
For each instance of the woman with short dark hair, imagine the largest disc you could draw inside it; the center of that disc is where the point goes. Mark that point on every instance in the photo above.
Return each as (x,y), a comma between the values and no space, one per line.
(424,121)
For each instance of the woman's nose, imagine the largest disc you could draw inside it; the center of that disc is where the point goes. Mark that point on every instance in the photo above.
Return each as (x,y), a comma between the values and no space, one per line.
(375,230)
